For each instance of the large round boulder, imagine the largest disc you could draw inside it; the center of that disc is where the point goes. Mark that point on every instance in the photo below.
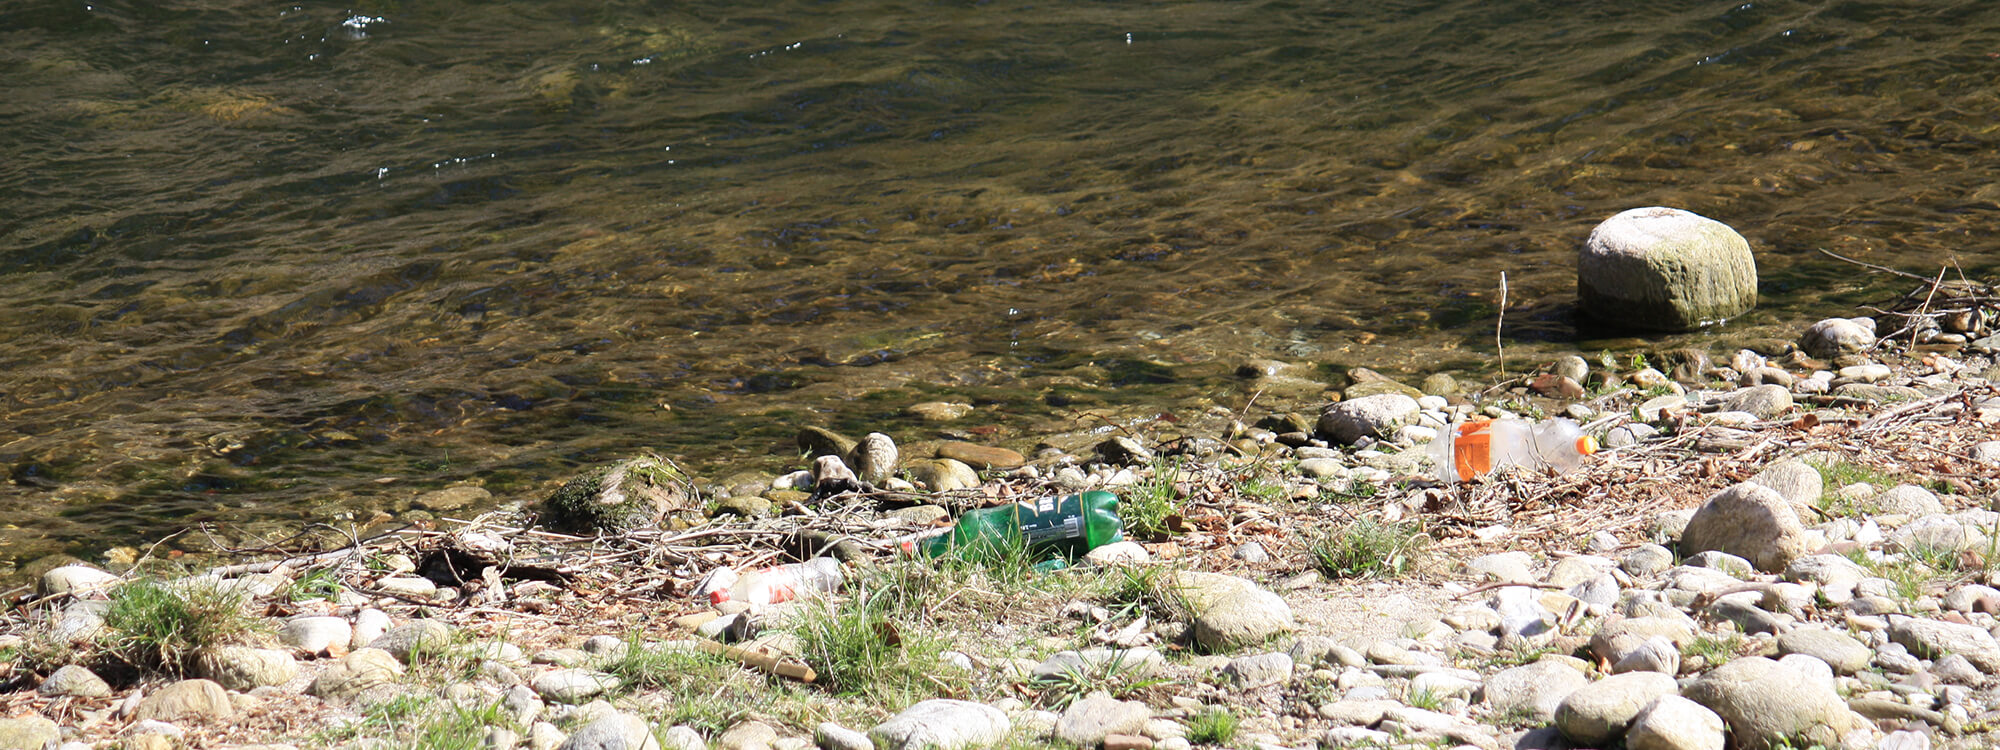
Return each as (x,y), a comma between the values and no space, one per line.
(1665,269)
(1769,705)
(1750,521)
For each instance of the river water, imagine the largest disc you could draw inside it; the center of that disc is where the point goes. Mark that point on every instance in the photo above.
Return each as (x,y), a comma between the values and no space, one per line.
(276,263)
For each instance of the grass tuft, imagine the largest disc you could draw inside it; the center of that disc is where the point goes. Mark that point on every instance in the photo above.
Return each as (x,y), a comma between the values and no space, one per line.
(1715,648)
(1215,726)
(158,626)
(1367,548)
(870,644)
(1113,676)
(700,690)
(319,583)
(1149,507)
(418,722)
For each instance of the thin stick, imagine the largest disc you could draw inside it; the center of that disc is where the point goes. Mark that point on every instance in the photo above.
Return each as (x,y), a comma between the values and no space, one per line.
(1501,348)
(1928,296)
(1884,269)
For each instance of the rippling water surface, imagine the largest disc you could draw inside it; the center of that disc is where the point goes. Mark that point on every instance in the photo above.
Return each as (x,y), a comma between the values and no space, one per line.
(274,262)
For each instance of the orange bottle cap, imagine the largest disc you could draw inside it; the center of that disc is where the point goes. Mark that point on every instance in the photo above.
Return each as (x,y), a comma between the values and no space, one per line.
(1586,445)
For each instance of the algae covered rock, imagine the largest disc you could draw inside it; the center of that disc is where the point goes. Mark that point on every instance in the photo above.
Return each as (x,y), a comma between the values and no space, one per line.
(1665,269)
(619,497)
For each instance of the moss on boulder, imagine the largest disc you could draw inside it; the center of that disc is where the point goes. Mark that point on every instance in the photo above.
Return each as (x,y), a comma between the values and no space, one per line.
(620,497)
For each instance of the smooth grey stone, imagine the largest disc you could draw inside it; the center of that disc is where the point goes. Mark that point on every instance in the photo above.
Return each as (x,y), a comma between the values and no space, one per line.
(1839,650)
(942,723)
(1647,561)
(1086,722)
(1933,639)
(617,731)
(1751,521)
(1656,654)
(1599,712)
(1250,672)
(1834,337)
(831,736)
(1761,700)
(74,679)
(572,686)
(1535,690)
(1671,722)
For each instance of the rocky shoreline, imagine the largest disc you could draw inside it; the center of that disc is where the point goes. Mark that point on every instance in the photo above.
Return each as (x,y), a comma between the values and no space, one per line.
(1787,549)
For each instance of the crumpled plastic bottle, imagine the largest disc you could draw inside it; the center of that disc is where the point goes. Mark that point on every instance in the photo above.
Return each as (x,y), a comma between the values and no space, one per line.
(779,583)
(1472,449)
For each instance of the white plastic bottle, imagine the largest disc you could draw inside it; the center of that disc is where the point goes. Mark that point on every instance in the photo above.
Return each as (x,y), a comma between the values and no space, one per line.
(782,583)
(1471,449)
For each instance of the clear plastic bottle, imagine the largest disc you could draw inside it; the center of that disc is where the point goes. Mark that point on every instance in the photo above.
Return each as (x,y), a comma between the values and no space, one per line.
(782,583)
(1472,449)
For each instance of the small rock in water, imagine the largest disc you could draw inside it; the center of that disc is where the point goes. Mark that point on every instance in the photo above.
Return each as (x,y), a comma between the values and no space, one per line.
(939,411)
(1665,269)
(1572,367)
(875,458)
(1369,416)
(1864,373)
(76,579)
(618,497)
(1834,337)
(980,457)
(945,475)
(819,441)
(1764,401)
(831,476)
(1120,450)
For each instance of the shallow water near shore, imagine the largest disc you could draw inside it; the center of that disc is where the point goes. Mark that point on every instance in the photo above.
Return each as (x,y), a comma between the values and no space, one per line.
(285,264)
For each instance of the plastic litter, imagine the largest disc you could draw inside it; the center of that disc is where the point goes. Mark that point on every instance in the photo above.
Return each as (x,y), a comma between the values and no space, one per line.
(1473,449)
(779,583)
(1064,527)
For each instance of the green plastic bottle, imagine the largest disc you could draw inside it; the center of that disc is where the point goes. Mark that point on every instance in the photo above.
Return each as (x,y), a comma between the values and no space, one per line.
(1066,527)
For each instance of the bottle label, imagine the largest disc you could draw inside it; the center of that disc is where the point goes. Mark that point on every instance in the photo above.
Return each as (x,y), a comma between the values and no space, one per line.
(1473,450)
(1042,521)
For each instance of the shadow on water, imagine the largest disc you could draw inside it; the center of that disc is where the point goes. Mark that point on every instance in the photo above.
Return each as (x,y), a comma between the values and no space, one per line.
(277,264)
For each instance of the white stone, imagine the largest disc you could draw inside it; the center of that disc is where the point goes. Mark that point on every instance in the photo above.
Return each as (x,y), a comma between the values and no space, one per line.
(369,624)
(617,731)
(76,580)
(316,635)
(1833,337)
(942,724)
(1675,723)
